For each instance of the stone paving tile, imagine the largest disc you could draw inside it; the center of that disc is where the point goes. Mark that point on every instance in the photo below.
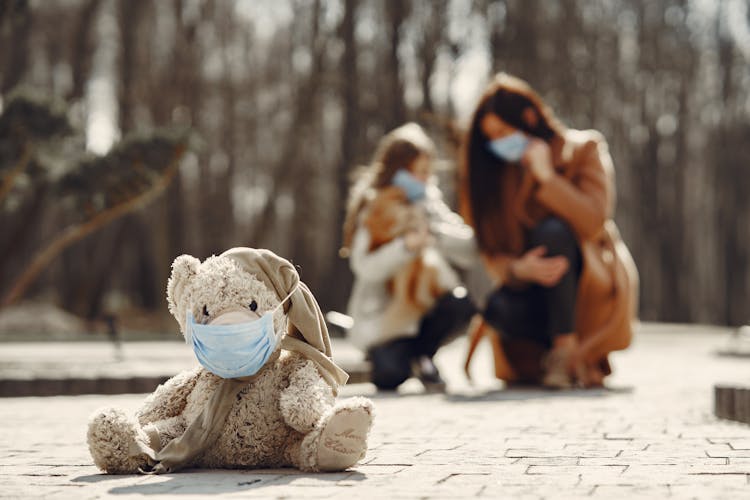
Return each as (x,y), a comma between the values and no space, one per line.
(652,436)
(548,461)
(635,459)
(595,470)
(562,452)
(614,491)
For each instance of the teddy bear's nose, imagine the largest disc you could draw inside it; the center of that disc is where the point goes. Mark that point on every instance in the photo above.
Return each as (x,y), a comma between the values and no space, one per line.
(233,317)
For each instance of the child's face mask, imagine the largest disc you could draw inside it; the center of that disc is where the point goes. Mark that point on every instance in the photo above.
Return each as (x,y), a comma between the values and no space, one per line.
(236,350)
(509,148)
(414,188)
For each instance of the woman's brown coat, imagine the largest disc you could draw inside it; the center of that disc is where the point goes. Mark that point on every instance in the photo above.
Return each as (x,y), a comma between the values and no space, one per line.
(582,194)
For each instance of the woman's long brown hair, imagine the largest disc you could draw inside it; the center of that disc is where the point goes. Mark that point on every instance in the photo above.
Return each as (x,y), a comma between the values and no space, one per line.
(397,149)
(489,184)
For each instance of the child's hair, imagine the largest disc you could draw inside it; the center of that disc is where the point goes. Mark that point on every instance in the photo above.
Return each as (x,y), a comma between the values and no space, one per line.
(397,149)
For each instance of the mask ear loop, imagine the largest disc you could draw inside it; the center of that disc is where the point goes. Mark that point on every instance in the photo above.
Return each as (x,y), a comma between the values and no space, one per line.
(280,304)
(189,321)
(288,296)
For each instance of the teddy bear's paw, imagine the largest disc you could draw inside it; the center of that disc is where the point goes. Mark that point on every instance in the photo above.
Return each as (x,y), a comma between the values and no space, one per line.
(113,441)
(343,440)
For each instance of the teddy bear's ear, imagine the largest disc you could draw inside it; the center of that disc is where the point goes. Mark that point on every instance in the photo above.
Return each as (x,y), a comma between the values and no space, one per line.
(184,268)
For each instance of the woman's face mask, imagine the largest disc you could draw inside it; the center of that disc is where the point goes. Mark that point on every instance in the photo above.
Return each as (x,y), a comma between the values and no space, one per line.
(414,188)
(509,148)
(234,350)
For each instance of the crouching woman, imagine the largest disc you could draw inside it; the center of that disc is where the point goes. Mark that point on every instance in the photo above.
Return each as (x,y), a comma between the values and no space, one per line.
(540,197)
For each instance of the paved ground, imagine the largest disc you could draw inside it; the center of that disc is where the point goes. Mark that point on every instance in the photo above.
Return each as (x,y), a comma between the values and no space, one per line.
(652,435)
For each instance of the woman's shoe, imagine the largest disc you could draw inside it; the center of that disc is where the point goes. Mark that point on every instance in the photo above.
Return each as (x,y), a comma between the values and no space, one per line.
(557,369)
(589,376)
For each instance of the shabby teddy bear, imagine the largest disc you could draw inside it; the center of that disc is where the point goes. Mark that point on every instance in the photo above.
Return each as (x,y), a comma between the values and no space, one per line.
(265,393)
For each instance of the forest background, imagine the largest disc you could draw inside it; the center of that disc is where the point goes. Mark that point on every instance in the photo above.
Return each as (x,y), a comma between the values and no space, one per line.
(285,98)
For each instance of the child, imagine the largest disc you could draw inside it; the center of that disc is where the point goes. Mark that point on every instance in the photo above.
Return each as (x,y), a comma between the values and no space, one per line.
(400,237)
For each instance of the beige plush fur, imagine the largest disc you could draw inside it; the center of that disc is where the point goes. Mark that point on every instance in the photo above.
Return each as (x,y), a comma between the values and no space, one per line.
(286,417)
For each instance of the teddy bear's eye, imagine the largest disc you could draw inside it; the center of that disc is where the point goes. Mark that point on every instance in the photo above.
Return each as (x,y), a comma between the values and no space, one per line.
(253,306)
(205,311)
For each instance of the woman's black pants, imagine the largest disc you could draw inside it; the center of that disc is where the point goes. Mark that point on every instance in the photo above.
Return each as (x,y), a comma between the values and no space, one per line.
(391,361)
(536,312)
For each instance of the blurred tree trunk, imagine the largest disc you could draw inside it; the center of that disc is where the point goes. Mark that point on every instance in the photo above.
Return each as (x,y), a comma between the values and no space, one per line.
(19,230)
(396,13)
(514,44)
(186,82)
(429,43)
(336,297)
(220,217)
(730,158)
(17,14)
(81,48)
(649,261)
(305,227)
(130,13)
(673,215)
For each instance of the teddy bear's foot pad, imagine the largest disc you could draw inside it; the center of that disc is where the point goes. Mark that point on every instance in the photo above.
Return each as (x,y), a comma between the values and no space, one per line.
(344,439)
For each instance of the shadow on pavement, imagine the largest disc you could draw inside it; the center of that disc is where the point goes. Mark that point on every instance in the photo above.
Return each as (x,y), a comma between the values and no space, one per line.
(99,478)
(210,482)
(526,393)
(397,395)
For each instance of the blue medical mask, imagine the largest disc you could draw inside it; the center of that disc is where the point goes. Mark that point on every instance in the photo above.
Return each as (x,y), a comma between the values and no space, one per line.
(414,188)
(509,148)
(236,350)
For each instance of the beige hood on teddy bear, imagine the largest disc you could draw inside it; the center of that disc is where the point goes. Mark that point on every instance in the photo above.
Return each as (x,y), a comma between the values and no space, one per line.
(307,333)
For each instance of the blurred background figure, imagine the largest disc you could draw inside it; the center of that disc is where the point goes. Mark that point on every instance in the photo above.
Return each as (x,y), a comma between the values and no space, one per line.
(285,96)
(401,240)
(540,197)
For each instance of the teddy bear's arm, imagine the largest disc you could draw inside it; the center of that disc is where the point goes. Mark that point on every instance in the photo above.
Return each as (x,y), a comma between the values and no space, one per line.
(306,399)
(168,399)
(162,432)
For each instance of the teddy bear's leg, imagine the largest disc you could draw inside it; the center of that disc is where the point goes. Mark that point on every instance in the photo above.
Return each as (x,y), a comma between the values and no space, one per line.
(113,442)
(339,440)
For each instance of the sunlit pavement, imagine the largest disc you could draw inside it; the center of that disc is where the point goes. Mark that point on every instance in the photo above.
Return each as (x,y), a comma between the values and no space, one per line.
(651,435)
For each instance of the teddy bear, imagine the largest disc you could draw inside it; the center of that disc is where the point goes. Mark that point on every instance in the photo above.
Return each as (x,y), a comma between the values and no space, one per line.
(264,395)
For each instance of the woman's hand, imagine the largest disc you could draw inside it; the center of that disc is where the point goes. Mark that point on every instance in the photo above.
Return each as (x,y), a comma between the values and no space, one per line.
(535,268)
(538,160)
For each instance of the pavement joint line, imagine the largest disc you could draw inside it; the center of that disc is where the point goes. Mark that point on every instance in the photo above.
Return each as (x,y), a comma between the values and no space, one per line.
(616,438)
(444,479)
(717,473)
